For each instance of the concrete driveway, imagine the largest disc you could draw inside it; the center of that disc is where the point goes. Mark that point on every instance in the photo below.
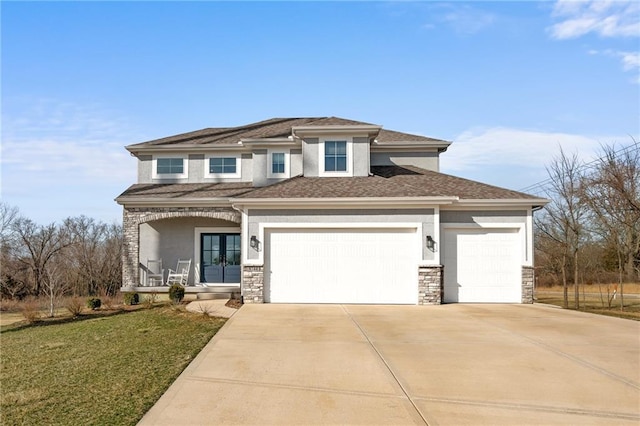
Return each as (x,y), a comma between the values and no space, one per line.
(392,365)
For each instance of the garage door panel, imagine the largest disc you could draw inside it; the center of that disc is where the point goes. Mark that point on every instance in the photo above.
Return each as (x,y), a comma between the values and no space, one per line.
(341,266)
(482,266)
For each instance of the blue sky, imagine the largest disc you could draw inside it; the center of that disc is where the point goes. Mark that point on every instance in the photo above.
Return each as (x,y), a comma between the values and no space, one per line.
(507,82)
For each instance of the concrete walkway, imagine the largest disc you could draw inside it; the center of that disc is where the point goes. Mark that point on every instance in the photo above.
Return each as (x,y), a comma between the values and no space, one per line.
(392,365)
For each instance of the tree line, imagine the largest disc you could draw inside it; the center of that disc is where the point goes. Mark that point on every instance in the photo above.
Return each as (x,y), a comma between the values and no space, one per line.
(78,257)
(590,231)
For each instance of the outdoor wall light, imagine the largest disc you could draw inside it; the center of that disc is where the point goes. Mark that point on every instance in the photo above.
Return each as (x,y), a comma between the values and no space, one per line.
(431,244)
(254,243)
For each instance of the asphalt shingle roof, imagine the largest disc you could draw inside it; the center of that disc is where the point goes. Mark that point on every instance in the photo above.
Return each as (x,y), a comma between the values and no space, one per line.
(187,190)
(272,128)
(385,182)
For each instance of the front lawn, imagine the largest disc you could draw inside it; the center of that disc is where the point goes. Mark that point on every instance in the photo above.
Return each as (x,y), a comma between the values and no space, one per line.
(103,370)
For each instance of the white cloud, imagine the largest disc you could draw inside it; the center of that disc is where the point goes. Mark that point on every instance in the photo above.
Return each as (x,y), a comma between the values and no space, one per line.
(606,18)
(462,18)
(62,159)
(45,139)
(481,147)
(630,60)
(515,158)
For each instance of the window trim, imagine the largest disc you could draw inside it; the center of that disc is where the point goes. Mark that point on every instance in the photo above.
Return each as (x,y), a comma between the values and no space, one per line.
(287,155)
(207,166)
(185,167)
(321,155)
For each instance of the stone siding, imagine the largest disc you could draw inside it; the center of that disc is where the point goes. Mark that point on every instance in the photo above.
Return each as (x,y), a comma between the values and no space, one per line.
(132,217)
(430,285)
(528,277)
(253,284)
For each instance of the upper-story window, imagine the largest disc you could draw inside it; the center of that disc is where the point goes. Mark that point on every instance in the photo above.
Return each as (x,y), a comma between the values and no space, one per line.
(278,163)
(335,156)
(223,165)
(170,167)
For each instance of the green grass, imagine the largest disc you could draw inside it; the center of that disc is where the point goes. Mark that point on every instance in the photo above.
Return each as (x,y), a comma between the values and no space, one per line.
(102,370)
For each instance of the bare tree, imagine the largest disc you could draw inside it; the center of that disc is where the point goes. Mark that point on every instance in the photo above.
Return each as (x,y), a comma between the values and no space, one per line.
(94,260)
(612,192)
(564,219)
(38,244)
(54,283)
(8,214)
(11,284)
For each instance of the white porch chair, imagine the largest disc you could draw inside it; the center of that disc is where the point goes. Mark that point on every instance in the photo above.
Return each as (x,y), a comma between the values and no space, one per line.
(181,274)
(155,273)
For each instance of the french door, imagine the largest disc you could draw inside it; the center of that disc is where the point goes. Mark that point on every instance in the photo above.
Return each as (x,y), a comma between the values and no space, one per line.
(220,258)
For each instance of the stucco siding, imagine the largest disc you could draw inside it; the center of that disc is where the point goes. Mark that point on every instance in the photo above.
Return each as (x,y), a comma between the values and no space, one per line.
(361,156)
(424,160)
(310,161)
(197,164)
(476,216)
(296,162)
(196,168)
(259,167)
(145,164)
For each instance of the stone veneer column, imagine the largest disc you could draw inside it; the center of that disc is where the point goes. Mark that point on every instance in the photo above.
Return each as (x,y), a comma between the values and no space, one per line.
(430,285)
(252,284)
(527,284)
(130,249)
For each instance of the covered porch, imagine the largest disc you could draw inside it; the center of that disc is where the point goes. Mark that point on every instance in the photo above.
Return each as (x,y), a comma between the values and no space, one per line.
(204,243)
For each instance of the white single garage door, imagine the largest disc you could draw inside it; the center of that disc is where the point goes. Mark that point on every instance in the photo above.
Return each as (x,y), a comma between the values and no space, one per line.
(341,266)
(482,266)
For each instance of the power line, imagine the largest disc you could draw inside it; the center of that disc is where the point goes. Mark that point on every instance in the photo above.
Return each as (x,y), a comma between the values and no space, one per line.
(590,165)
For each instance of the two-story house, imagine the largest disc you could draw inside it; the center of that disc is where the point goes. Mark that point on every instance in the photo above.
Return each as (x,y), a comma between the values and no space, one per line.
(324,210)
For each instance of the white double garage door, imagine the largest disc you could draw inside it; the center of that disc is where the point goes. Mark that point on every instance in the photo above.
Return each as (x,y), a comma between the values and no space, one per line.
(380,266)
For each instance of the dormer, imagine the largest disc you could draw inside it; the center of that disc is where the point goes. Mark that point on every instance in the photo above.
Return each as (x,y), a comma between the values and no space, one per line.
(336,150)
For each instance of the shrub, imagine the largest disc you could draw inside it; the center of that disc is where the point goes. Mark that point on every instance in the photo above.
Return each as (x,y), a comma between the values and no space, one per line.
(131,298)
(74,305)
(108,301)
(150,299)
(94,303)
(9,305)
(31,310)
(176,293)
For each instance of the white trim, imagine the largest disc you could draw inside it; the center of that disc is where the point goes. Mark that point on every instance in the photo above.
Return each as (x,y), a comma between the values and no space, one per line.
(436,235)
(321,150)
(316,131)
(196,245)
(244,238)
(346,202)
(185,167)
(167,202)
(160,149)
(524,202)
(235,155)
(528,256)
(287,161)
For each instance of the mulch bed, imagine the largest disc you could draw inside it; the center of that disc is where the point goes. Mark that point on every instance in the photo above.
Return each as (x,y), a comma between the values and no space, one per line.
(234,303)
